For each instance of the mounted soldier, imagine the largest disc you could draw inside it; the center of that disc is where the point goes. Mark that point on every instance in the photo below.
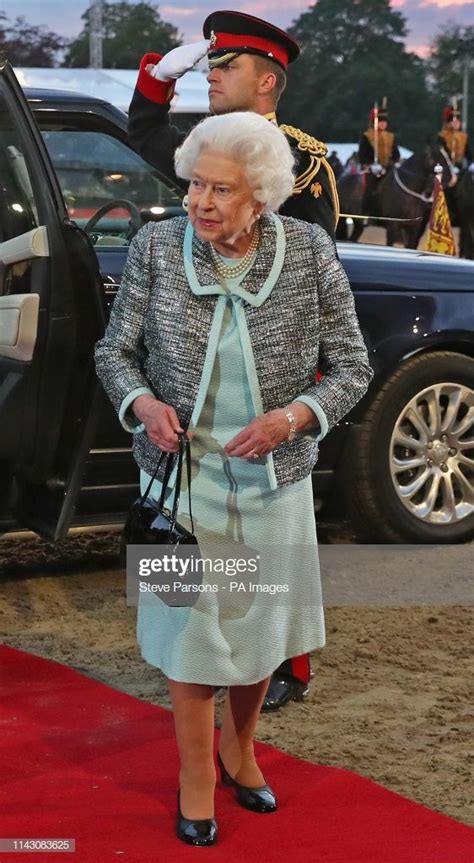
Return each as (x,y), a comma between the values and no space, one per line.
(378,151)
(454,140)
(460,191)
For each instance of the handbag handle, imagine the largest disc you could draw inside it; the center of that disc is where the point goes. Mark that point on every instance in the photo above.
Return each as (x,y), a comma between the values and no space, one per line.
(153,477)
(183,446)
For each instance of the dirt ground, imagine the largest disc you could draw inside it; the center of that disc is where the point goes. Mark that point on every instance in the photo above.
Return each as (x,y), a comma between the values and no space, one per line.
(391,697)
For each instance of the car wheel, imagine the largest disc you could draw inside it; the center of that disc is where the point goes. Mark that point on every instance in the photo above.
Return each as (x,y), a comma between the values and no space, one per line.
(411,477)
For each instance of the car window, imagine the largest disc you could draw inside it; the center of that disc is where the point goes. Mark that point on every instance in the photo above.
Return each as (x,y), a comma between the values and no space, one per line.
(18,210)
(95,170)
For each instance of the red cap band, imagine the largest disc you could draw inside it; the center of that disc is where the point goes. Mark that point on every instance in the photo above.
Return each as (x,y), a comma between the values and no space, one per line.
(229,41)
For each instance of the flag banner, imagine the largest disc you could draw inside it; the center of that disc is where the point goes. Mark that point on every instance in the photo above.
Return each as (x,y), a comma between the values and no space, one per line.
(440,232)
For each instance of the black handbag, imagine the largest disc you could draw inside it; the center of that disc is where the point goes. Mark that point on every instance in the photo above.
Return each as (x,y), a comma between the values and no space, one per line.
(151,523)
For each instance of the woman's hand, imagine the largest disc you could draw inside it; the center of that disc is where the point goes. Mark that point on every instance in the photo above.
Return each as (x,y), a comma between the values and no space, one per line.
(160,420)
(260,437)
(265,432)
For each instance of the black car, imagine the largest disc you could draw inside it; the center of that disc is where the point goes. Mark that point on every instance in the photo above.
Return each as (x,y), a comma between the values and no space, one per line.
(73,194)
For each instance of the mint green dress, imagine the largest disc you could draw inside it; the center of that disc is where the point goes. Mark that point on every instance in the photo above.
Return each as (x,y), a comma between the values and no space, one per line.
(239,637)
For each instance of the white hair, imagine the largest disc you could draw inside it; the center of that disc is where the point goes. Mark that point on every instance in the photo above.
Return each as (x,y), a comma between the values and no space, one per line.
(253,141)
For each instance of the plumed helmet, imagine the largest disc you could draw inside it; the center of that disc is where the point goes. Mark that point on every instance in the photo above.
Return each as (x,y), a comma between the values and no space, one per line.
(450,112)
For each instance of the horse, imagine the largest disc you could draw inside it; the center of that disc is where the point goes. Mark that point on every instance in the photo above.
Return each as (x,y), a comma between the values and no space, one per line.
(404,192)
(351,190)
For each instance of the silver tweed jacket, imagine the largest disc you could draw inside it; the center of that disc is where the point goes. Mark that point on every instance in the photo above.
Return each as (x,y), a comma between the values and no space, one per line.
(158,331)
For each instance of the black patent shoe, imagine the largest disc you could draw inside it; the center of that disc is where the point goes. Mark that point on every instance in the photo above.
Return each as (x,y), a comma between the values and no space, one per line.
(256,799)
(196,832)
(281,690)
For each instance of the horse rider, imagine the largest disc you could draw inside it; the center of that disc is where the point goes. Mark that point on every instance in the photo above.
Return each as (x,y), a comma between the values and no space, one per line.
(378,151)
(248,60)
(454,140)
(378,146)
(456,144)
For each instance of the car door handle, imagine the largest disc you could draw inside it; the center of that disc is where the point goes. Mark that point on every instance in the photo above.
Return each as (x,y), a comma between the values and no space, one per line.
(18,326)
(33,244)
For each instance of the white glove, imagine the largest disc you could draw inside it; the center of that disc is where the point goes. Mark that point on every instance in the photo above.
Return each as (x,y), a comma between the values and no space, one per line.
(471,168)
(180,60)
(377,169)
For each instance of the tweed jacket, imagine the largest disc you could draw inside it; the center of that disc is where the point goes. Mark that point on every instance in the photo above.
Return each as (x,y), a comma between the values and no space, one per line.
(162,337)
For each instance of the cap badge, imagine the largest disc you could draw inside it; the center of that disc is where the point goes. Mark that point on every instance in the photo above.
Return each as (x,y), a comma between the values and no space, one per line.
(213,39)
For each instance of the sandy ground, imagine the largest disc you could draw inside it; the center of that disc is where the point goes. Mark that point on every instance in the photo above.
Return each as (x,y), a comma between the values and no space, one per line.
(391,697)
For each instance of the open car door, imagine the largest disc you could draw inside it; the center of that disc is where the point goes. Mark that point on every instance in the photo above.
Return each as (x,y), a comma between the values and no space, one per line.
(52,312)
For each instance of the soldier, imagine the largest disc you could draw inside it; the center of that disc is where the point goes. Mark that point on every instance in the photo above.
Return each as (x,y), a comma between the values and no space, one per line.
(378,151)
(248,59)
(378,146)
(454,140)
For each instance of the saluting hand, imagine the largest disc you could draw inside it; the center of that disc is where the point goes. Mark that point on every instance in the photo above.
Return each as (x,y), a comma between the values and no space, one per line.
(180,60)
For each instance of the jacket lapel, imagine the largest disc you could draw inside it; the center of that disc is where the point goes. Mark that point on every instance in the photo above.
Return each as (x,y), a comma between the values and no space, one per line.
(260,271)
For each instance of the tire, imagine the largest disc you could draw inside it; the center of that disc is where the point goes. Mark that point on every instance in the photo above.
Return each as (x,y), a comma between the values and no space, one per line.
(430,401)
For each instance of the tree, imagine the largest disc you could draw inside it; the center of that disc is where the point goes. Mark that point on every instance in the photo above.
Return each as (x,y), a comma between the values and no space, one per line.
(127,31)
(25,45)
(352,54)
(451,58)
(3,32)
(345,29)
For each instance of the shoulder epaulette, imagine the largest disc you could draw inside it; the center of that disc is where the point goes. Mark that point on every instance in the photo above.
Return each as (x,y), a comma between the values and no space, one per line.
(305,141)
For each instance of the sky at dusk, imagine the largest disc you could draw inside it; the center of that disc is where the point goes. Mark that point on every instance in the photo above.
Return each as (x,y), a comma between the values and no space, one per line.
(425,17)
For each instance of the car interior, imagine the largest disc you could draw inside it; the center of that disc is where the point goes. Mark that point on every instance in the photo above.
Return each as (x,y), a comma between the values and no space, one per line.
(22,240)
(109,190)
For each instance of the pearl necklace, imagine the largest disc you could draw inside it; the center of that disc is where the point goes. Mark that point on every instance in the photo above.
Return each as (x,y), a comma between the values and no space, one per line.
(229,271)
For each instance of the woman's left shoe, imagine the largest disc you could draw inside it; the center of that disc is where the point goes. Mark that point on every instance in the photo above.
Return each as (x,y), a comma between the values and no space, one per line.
(195,832)
(256,799)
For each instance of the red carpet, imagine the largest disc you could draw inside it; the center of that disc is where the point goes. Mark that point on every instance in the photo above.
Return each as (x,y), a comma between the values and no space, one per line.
(80,760)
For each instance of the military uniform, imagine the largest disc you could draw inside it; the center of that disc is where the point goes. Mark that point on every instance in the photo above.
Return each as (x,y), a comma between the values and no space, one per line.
(155,139)
(387,149)
(456,144)
(455,141)
(314,196)
(388,152)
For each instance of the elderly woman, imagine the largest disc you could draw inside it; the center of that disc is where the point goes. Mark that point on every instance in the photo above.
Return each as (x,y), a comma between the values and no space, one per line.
(221,323)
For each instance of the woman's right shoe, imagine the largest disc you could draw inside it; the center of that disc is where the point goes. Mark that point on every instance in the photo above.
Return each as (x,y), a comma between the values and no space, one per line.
(261,799)
(195,832)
